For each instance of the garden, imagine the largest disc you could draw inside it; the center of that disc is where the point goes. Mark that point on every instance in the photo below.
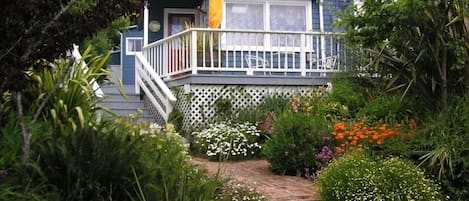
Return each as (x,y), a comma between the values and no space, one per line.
(395,127)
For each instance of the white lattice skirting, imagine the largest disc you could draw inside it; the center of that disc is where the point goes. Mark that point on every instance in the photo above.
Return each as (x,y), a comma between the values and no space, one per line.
(197,102)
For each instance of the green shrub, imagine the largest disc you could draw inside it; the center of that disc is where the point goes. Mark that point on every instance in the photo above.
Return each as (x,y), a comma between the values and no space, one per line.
(77,155)
(348,92)
(176,117)
(445,140)
(295,141)
(225,140)
(357,177)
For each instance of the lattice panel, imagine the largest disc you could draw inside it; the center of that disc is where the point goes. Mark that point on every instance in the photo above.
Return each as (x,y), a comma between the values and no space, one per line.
(153,111)
(198,102)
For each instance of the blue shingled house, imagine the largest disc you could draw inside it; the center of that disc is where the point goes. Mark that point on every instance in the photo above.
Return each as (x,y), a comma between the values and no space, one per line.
(262,47)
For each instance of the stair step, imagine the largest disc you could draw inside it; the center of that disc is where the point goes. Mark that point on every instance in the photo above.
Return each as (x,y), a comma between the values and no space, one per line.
(108,96)
(128,89)
(116,104)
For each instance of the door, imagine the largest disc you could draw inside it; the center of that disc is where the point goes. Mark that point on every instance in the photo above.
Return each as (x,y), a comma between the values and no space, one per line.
(177,22)
(178,53)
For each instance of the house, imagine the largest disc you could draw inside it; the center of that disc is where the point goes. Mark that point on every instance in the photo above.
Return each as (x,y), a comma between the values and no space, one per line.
(262,47)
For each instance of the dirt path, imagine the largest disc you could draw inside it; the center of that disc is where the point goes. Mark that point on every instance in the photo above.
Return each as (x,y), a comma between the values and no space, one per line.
(256,174)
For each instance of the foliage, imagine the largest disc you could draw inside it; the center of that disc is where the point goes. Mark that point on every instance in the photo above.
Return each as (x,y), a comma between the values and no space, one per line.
(347,92)
(168,174)
(274,103)
(176,117)
(386,107)
(417,46)
(297,138)
(445,137)
(225,140)
(79,155)
(223,108)
(357,177)
(37,32)
(105,40)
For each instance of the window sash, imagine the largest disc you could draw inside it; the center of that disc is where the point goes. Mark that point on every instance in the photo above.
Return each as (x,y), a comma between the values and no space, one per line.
(300,11)
(134,44)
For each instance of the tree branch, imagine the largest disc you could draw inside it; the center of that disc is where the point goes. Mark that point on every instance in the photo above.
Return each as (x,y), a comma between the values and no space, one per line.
(45,28)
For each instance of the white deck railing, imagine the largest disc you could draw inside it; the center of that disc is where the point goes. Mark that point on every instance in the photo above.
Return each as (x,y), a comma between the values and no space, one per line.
(246,52)
(158,93)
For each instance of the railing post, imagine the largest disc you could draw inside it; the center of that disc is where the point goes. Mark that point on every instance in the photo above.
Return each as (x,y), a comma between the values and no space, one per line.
(137,65)
(145,23)
(194,52)
(303,54)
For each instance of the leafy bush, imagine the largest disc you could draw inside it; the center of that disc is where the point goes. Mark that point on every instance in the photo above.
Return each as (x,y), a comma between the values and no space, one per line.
(77,155)
(347,92)
(297,138)
(444,139)
(357,177)
(224,140)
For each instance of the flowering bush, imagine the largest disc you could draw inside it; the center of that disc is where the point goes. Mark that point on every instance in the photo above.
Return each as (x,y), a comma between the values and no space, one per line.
(357,177)
(235,191)
(296,140)
(318,103)
(359,134)
(227,140)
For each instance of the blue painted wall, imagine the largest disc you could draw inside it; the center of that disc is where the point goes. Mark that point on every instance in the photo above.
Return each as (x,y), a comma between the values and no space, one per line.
(115,58)
(128,61)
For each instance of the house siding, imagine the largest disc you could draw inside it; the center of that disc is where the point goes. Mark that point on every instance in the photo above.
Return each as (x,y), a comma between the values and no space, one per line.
(115,58)
(128,61)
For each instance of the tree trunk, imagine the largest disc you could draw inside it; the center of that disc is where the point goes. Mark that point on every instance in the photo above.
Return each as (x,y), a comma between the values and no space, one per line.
(25,132)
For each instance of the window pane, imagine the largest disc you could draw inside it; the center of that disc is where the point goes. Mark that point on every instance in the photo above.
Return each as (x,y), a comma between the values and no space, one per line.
(134,45)
(287,18)
(244,16)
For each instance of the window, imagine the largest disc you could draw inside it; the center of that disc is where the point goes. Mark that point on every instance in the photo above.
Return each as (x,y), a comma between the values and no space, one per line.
(269,15)
(134,44)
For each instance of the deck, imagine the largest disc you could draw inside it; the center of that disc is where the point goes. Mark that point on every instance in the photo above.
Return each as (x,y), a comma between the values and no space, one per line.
(214,56)
(208,62)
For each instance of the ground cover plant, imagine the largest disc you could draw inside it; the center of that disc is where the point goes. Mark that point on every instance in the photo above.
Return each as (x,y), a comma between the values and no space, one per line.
(358,177)
(232,190)
(227,141)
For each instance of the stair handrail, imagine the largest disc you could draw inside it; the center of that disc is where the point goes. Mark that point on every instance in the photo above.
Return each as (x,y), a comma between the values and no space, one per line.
(145,74)
(98,92)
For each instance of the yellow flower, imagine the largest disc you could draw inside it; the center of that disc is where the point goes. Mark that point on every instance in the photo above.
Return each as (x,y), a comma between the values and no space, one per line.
(170,128)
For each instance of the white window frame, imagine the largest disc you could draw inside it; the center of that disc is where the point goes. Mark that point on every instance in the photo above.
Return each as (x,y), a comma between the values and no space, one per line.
(127,42)
(266,17)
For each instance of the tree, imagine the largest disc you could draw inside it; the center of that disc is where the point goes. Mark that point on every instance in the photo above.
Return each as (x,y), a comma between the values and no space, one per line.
(420,46)
(35,33)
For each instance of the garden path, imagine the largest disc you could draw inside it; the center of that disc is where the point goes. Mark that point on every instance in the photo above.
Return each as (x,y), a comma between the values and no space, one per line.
(256,174)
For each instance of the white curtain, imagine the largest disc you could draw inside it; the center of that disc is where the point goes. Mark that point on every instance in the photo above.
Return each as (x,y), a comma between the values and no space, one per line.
(244,17)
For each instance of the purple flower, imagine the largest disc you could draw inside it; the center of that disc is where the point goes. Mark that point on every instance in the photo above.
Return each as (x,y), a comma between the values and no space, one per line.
(325,154)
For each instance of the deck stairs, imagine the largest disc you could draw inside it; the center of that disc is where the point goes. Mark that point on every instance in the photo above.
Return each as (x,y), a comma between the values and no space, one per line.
(124,107)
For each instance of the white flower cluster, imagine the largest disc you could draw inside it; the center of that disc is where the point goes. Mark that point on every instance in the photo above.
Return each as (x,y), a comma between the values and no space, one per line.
(227,139)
